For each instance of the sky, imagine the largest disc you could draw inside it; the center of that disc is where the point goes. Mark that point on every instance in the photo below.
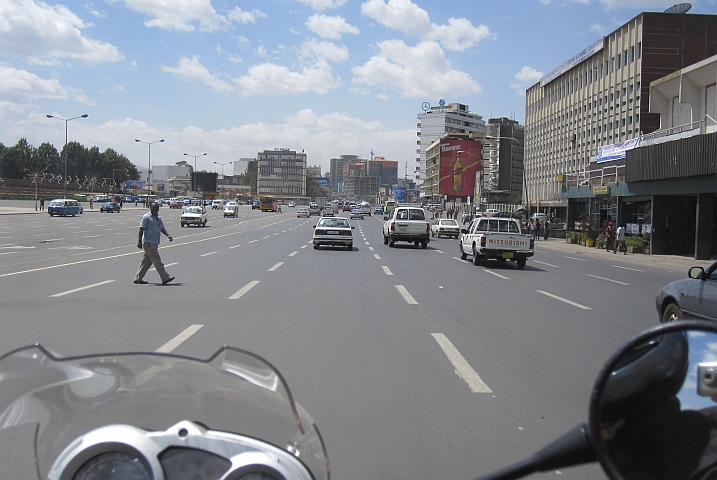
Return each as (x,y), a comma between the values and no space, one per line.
(231,78)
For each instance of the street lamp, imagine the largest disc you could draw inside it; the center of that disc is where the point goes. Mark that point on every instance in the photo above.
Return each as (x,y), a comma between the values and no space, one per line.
(195,168)
(66,120)
(149,166)
(222,164)
(525,182)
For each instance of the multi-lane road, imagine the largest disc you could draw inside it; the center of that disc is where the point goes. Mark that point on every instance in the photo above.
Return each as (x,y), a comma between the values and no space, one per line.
(413,363)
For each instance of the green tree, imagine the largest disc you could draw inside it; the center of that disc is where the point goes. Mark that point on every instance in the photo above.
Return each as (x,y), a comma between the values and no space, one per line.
(314,190)
(249,177)
(16,159)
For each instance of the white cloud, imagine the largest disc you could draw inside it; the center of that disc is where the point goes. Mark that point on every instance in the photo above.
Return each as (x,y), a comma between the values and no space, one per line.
(191,69)
(45,34)
(271,79)
(526,77)
(330,27)
(324,51)
(261,51)
(400,67)
(178,14)
(323,4)
(237,15)
(20,87)
(118,89)
(235,58)
(410,19)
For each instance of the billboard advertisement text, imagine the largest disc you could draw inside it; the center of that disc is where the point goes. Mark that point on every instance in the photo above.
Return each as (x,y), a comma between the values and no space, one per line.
(460,160)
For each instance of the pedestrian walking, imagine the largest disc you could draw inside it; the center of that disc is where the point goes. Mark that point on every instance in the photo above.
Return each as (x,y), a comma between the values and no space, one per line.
(42,203)
(547,230)
(150,227)
(620,240)
(610,237)
(92,202)
(533,228)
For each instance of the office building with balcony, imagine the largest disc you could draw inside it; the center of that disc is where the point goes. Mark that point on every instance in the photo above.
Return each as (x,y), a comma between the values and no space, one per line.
(437,121)
(599,97)
(281,172)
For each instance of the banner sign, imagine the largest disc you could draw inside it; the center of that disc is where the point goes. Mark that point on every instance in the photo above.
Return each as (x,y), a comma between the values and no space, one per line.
(607,153)
(323,181)
(601,190)
(400,194)
(583,55)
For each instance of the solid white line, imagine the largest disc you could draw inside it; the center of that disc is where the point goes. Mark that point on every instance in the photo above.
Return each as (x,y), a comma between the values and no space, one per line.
(179,339)
(377,256)
(235,246)
(272,269)
(627,268)
(406,296)
(496,274)
(608,279)
(578,259)
(244,289)
(293,253)
(548,264)
(386,270)
(564,300)
(80,289)
(207,254)
(463,368)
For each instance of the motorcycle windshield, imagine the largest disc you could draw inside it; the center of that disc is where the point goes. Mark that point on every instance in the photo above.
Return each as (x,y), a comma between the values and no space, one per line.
(233,391)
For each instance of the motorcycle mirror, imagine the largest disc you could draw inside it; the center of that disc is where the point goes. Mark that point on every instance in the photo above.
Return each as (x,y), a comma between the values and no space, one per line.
(653,411)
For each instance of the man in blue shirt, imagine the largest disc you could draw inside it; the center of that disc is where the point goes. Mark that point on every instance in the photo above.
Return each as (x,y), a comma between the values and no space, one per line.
(150,227)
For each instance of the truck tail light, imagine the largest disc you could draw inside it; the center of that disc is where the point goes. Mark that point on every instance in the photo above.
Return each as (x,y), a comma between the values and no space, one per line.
(482,242)
(393,227)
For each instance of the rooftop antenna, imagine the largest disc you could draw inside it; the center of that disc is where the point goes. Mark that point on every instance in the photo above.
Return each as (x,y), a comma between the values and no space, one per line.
(679,8)
(372,154)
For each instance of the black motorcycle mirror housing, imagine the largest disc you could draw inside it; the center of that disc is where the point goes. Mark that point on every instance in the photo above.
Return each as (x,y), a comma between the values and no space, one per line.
(653,411)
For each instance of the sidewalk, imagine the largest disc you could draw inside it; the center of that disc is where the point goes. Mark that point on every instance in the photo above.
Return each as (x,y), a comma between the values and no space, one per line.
(24,210)
(632,260)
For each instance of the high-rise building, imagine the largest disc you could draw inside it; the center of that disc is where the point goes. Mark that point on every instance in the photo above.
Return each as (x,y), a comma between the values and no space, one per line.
(503,160)
(385,170)
(338,173)
(599,97)
(281,172)
(314,172)
(436,122)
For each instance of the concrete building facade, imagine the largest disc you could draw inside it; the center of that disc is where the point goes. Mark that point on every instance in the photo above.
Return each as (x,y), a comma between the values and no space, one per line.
(281,172)
(503,161)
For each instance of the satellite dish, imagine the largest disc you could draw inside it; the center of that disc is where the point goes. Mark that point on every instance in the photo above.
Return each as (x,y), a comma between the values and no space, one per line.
(679,8)
(441,102)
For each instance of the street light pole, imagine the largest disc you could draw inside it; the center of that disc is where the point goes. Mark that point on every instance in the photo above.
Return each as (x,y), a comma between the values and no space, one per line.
(195,169)
(222,164)
(149,165)
(66,120)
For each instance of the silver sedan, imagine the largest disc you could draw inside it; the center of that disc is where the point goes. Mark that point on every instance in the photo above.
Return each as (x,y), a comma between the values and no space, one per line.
(333,231)
(690,298)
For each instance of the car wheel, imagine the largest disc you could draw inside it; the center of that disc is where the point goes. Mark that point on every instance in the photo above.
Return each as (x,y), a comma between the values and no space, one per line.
(390,242)
(521,263)
(433,234)
(424,245)
(415,243)
(672,313)
(385,240)
(464,255)
(476,257)
(183,224)
(316,247)
(350,247)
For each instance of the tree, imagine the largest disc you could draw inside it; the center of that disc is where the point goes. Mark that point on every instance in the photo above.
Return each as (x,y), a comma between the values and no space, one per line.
(314,190)
(249,177)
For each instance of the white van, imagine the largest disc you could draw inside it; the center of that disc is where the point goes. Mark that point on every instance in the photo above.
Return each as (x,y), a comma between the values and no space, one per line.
(217,204)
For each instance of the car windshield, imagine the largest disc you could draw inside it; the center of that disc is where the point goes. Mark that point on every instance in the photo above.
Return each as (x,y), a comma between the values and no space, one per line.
(416,214)
(449,222)
(193,210)
(334,223)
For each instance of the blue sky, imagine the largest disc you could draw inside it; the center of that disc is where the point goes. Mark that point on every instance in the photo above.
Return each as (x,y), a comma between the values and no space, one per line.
(235,77)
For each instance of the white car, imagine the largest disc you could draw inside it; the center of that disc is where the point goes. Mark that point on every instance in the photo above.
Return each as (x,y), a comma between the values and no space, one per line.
(231,210)
(329,211)
(194,216)
(357,212)
(302,212)
(446,227)
(291,205)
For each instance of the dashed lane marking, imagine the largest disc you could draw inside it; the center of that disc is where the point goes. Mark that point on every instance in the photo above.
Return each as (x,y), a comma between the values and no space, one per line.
(463,368)
(275,267)
(244,289)
(377,256)
(179,339)
(207,254)
(573,258)
(607,279)
(547,264)
(564,300)
(75,290)
(293,253)
(496,274)
(387,271)
(628,268)
(406,296)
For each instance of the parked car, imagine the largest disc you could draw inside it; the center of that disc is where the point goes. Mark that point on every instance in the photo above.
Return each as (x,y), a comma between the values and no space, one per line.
(690,298)
(63,207)
(110,207)
(333,232)
(491,212)
(446,227)
(302,212)
(194,216)
(231,210)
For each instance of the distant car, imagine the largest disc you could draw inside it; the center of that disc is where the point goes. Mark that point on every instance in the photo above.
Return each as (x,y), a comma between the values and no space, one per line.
(313,209)
(539,216)
(329,211)
(302,212)
(291,205)
(446,227)
(194,216)
(378,210)
(255,205)
(217,204)
(491,212)
(231,210)
(357,212)
(690,298)
(175,204)
(346,208)
(505,215)
(333,232)
(110,207)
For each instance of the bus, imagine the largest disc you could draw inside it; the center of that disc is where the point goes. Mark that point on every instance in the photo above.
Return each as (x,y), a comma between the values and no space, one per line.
(268,203)
(389,206)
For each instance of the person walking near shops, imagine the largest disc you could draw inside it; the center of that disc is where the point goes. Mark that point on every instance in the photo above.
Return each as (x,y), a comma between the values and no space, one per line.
(547,229)
(533,228)
(620,240)
(150,228)
(42,203)
(610,237)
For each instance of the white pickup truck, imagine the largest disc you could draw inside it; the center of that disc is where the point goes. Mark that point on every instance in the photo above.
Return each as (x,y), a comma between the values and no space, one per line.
(497,238)
(407,224)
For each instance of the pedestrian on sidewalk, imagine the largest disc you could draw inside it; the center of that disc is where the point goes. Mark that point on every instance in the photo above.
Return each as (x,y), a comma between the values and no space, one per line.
(42,203)
(150,227)
(92,202)
(610,237)
(620,240)
(547,229)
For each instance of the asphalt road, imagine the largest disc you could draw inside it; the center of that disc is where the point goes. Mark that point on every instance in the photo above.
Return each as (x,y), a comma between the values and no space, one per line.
(370,341)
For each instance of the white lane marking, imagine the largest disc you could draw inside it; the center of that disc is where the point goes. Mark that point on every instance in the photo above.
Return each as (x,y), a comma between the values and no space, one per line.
(406,296)
(277,233)
(256,240)
(573,258)
(109,229)
(15,247)
(377,256)
(179,339)
(273,269)
(91,236)
(496,274)
(42,235)
(540,251)
(83,231)
(439,251)
(80,289)
(235,246)
(608,279)
(293,253)
(244,289)
(266,237)
(386,270)
(628,268)
(548,264)
(122,233)
(167,265)
(463,368)
(207,254)
(564,300)
(370,248)
(304,246)
(368,243)
(8,253)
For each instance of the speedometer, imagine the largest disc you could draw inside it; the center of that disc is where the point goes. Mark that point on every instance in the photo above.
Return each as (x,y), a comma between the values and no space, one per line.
(113,466)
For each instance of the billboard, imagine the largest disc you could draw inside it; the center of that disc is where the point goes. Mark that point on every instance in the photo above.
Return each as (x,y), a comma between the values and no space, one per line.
(204,181)
(323,182)
(134,185)
(460,160)
(400,194)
